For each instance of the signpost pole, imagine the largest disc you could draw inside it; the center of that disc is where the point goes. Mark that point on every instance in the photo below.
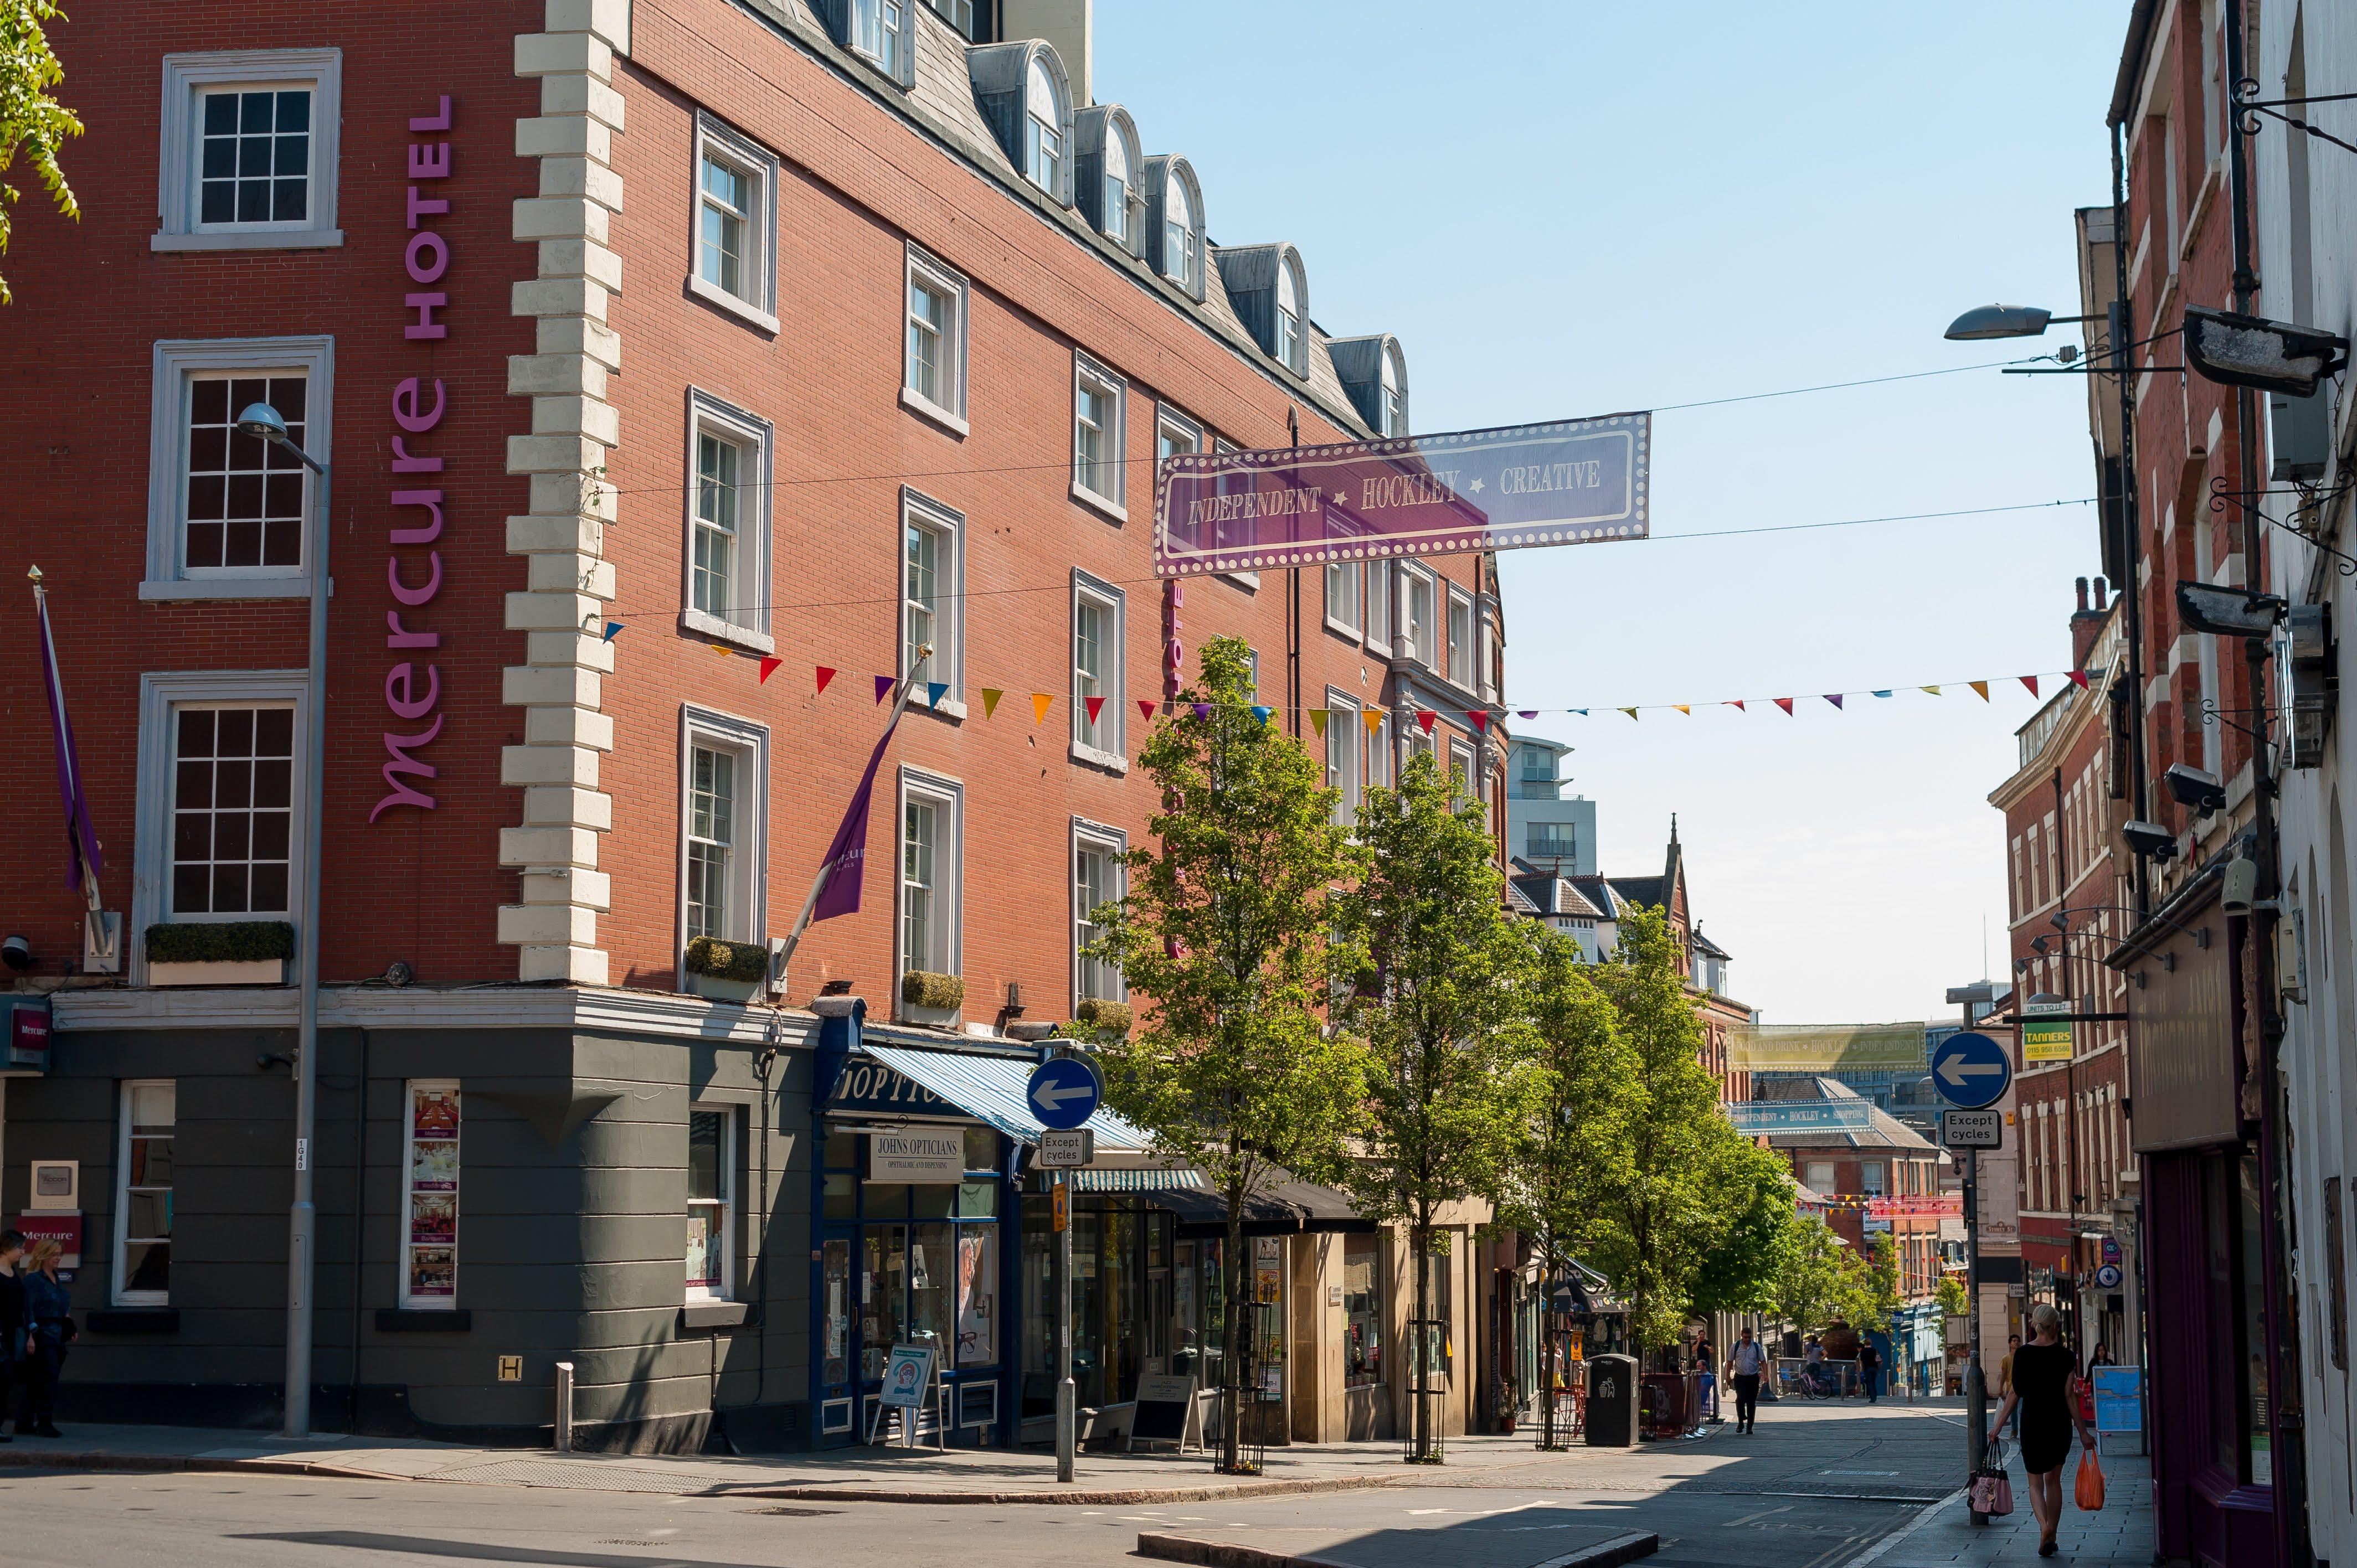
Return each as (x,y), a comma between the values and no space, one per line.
(1067,1395)
(1976,1388)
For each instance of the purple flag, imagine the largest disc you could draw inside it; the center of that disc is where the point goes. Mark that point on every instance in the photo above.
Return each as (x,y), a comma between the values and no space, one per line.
(82,843)
(846,866)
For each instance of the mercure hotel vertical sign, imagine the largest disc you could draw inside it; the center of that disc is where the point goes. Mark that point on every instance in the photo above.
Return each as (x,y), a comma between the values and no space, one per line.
(1578,481)
(413,568)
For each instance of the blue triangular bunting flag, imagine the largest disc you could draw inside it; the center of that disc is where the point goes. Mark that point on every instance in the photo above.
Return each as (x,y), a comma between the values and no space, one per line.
(935,690)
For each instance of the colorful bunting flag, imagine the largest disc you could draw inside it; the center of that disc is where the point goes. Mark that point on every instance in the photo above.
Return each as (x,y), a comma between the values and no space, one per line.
(990,696)
(935,690)
(1317,717)
(1737,704)
(2079,677)
(1145,709)
(1040,702)
(1202,710)
(1581,712)
(1980,686)
(1263,713)
(1425,718)
(1882,694)
(722,649)
(883,684)
(824,675)
(1373,718)
(1526,713)
(770,668)
(1478,721)
(2030,681)
(1835,698)
(613,630)
(1684,709)
(1097,706)
(1631,712)
(1785,704)
(1933,690)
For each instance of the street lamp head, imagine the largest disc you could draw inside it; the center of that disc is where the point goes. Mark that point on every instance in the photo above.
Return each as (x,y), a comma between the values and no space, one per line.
(2227,611)
(1998,321)
(261,421)
(2060,921)
(2253,351)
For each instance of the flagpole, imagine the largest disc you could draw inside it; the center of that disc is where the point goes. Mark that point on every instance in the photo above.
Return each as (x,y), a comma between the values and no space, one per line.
(827,867)
(94,929)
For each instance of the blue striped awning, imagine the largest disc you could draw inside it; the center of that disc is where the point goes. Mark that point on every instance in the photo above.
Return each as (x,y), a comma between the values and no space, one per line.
(990,1089)
(1173,1179)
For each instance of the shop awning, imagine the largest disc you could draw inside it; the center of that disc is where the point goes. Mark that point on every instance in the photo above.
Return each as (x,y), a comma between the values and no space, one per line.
(990,1089)
(1164,1178)
(1285,1205)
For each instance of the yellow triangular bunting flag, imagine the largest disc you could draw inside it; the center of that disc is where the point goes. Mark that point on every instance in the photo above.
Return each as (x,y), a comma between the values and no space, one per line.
(990,701)
(1317,717)
(1374,720)
(1933,690)
(1630,712)
(1980,686)
(1040,702)
(722,649)
(1684,709)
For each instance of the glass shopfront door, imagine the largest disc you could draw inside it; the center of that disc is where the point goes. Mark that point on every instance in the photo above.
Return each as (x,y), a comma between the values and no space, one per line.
(908,1262)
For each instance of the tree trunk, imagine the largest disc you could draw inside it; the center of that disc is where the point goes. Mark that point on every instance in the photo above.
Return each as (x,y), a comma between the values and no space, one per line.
(1231,1371)
(1547,1267)
(1419,1346)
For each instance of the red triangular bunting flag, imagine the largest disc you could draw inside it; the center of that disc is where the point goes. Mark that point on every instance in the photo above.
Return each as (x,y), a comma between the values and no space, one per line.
(2080,677)
(1145,709)
(2030,681)
(1097,706)
(1737,704)
(1425,718)
(1835,698)
(1784,703)
(770,668)
(883,684)
(824,675)
(1479,722)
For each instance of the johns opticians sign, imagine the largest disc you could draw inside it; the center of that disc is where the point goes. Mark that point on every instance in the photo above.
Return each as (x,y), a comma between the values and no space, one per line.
(1578,481)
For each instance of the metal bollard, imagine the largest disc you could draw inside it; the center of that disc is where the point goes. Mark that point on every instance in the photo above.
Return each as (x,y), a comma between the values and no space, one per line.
(565,1407)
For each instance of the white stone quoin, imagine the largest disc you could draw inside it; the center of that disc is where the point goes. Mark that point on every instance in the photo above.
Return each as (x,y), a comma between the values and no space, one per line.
(560,685)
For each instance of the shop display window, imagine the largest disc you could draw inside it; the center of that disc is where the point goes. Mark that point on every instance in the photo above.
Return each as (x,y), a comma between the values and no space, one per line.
(143,1206)
(430,1201)
(1362,1311)
(711,1168)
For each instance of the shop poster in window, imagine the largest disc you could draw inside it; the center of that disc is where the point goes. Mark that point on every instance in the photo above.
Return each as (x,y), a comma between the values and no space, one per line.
(1268,1269)
(433,1272)
(975,1297)
(434,1218)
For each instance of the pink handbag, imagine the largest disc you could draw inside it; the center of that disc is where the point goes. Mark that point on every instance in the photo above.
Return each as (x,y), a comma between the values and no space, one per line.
(1992,1492)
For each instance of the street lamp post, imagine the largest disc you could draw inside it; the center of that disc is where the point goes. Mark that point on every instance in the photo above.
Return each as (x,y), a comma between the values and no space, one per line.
(263,423)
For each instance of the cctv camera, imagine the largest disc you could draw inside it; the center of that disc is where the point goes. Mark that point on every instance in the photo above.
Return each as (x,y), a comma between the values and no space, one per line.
(2192,787)
(2241,887)
(17,953)
(2150,840)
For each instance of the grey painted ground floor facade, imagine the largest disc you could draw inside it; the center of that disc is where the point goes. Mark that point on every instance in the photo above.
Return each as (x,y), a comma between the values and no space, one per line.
(708,1211)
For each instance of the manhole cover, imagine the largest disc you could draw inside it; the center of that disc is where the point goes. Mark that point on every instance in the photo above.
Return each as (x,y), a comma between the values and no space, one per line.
(799,1513)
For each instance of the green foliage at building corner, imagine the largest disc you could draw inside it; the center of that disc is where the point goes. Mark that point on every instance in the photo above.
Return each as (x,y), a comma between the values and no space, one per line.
(1739,1273)
(1878,1297)
(1951,1296)
(33,124)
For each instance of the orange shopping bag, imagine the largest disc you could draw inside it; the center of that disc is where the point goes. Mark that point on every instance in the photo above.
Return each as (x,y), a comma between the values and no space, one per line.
(2090,1485)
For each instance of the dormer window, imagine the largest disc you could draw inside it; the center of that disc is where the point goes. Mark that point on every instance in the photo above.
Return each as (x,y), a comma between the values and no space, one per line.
(1116,191)
(1392,393)
(1180,259)
(1043,130)
(1288,318)
(879,29)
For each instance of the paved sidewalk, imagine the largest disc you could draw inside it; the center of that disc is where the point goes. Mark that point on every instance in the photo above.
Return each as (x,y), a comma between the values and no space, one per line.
(2120,1536)
(860,1474)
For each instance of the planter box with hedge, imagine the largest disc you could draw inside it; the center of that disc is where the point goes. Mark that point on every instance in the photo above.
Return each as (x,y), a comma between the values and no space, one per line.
(726,971)
(929,998)
(220,952)
(1102,1019)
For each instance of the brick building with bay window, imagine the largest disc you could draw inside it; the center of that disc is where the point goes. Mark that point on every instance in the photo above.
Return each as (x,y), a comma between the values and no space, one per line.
(807,330)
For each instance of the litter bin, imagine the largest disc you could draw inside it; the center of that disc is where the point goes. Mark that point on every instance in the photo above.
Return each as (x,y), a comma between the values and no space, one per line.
(1612,1395)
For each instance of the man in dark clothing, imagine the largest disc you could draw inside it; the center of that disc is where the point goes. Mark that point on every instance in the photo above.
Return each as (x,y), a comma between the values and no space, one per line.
(1870,1370)
(11,1317)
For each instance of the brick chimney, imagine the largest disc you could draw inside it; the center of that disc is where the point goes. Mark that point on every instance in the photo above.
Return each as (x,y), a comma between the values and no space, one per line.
(2085,623)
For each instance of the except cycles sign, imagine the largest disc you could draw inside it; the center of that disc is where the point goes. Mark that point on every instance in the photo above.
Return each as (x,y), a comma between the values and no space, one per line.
(1576,481)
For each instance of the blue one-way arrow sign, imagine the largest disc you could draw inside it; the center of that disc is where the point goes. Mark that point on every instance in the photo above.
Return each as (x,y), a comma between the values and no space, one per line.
(1063,1093)
(1971,1070)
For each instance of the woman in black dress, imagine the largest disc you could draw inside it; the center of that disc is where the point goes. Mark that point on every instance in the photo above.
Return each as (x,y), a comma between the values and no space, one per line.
(2043,1372)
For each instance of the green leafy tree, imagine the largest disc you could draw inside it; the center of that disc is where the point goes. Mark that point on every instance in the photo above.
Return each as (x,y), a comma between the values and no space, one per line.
(1686,1177)
(1441,999)
(1226,931)
(1878,1294)
(1818,1280)
(1739,1275)
(1952,1298)
(32,123)
(1572,1146)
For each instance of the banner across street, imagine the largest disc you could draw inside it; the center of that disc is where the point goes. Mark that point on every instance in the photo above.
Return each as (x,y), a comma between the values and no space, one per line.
(1578,481)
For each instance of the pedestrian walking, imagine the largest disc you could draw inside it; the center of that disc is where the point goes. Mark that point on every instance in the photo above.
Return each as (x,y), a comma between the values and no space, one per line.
(1705,1361)
(2042,1374)
(12,1321)
(2005,1378)
(1744,1365)
(50,1312)
(1869,1371)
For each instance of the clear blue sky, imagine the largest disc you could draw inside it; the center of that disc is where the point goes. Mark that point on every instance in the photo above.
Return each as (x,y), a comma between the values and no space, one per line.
(1568,210)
